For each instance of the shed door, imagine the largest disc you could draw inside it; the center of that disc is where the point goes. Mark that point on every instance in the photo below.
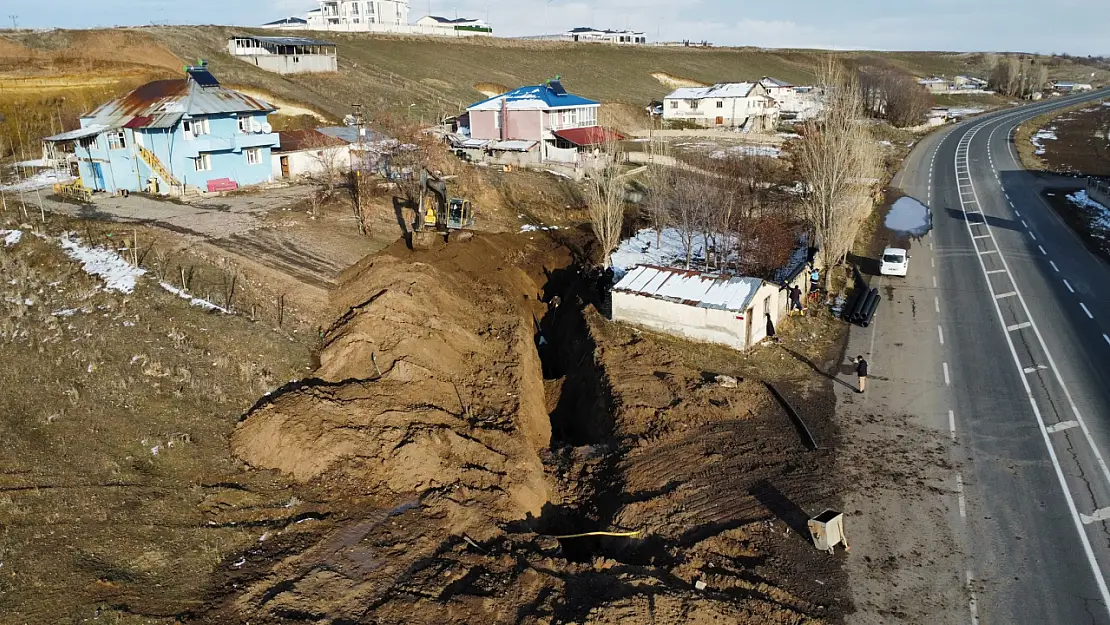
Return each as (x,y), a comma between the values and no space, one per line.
(748,327)
(284,166)
(720,121)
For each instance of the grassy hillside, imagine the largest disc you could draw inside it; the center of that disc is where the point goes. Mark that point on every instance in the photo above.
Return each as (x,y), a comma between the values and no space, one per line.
(427,77)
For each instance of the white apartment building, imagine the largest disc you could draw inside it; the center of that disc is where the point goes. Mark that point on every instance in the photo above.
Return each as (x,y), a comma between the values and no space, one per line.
(358,14)
(732,105)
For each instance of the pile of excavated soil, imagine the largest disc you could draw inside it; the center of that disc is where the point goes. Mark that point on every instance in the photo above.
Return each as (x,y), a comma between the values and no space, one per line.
(472,414)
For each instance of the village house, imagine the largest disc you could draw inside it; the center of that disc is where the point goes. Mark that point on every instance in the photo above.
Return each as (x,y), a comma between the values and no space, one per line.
(535,124)
(459,23)
(309,153)
(733,105)
(285,55)
(174,137)
(719,308)
(936,85)
(586,34)
(969,83)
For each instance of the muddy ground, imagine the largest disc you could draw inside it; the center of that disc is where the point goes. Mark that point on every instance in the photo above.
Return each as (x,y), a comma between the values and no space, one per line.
(1082,145)
(473,413)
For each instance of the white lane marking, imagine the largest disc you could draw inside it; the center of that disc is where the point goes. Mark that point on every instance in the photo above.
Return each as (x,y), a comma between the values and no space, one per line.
(934,282)
(1084,307)
(1032,235)
(981,236)
(936,304)
(1106,338)
(1015,212)
(1005,295)
(1061,426)
(1068,284)
(1034,369)
(1101,514)
(947,380)
(973,602)
(1024,224)
(1018,326)
(994,271)
(933,262)
(1096,571)
(952,425)
(1041,248)
(1054,267)
(985,252)
(940,334)
(960,496)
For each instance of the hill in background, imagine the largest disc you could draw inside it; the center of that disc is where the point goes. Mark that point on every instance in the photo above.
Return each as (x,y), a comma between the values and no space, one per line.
(409,77)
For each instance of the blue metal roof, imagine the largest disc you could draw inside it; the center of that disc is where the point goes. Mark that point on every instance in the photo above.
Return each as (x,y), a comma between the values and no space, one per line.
(531,98)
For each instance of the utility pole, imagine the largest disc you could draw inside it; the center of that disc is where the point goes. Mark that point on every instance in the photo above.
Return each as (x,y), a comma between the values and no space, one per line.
(15,21)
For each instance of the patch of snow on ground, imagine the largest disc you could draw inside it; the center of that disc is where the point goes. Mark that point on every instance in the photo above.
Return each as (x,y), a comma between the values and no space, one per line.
(1042,135)
(38,162)
(11,237)
(1098,214)
(555,173)
(117,273)
(195,301)
(41,180)
(909,216)
(965,112)
(642,249)
(535,228)
(747,150)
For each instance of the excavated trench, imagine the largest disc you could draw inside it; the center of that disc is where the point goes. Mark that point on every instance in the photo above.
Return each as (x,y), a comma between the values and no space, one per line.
(580,406)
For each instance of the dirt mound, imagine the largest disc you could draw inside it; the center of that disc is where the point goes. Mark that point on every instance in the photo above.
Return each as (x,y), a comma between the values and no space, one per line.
(491,89)
(429,381)
(676,82)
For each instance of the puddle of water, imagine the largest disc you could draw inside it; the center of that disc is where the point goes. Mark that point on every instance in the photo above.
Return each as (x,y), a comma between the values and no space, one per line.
(908,216)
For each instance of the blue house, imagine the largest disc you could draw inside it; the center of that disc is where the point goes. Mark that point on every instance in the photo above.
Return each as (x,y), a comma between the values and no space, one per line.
(175,137)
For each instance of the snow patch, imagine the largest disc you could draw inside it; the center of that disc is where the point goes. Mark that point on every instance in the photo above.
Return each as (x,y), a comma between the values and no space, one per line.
(535,228)
(41,180)
(11,237)
(195,301)
(643,249)
(117,273)
(1042,135)
(1098,214)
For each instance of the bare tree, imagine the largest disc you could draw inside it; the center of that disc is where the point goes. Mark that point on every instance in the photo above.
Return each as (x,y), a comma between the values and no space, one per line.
(891,94)
(694,191)
(605,199)
(659,186)
(838,161)
(330,160)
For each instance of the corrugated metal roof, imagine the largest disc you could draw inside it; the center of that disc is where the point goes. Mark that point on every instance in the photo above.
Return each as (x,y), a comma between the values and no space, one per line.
(297,140)
(590,135)
(286,41)
(692,288)
(79,133)
(536,97)
(720,90)
(767,81)
(513,145)
(165,102)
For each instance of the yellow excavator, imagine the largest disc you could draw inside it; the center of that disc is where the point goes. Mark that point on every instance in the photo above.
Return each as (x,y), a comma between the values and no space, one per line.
(437,212)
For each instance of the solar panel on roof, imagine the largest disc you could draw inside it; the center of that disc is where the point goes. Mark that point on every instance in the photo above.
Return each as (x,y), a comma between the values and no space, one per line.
(203,77)
(557,87)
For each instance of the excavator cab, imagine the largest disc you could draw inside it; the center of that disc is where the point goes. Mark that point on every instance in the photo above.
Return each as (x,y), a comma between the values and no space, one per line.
(437,212)
(459,214)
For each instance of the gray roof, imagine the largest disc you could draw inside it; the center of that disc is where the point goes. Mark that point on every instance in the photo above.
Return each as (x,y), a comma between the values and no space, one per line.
(350,134)
(692,288)
(286,41)
(162,103)
(287,20)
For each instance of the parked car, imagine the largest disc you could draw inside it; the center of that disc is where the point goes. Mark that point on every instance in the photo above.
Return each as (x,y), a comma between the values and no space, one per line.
(895,262)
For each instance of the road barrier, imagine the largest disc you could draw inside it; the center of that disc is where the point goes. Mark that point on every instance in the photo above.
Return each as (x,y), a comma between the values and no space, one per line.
(1099,191)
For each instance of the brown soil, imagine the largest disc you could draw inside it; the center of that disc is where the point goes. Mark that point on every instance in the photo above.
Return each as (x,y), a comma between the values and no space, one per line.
(1082,144)
(452,453)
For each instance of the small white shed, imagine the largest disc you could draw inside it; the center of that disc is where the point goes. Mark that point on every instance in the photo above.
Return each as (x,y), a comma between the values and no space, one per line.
(309,153)
(715,308)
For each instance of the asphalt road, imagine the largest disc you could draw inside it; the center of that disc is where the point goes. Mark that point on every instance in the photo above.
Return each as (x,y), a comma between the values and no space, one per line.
(1000,337)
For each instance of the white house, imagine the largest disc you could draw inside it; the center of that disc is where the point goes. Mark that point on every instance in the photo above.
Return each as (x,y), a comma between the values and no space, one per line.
(309,153)
(714,308)
(285,55)
(733,105)
(358,14)
(585,34)
(456,24)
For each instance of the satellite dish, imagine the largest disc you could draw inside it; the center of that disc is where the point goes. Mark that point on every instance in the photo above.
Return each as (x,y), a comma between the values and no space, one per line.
(267,128)
(348,120)
(255,126)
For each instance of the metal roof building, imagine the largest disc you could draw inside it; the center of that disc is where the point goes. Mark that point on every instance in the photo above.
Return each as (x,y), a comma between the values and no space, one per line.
(286,55)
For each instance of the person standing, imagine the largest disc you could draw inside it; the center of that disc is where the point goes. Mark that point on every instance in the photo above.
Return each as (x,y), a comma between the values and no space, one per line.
(861,371)
(770,328)
(796,299)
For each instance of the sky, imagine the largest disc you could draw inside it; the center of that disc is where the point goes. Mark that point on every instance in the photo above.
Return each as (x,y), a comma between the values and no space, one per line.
(1079,27)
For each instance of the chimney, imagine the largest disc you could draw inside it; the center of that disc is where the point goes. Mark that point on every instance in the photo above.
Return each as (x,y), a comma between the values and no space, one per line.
(504,119)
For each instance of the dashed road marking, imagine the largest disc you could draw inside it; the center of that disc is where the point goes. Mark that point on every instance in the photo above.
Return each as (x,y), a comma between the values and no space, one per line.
(1015,212)
(952,425)
(1005,295)
(960,496)
(947,380)
(1041,248)
(973,602)
(1061,426)
(1032,235)
(1034,369)
(1024,225)
(940,334)
(934,282)
(994,271)
(1018,326)
(1068,284)
(1054,267)
(936,304)
(1084,307)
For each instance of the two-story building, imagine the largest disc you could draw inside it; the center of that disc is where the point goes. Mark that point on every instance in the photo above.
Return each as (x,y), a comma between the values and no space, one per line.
(285,55)
(545,121)
(457,24)
(173,137)
(358,14)
(731,105)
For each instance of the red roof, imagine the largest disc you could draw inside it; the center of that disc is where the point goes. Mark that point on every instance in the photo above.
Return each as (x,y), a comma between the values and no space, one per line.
(593,135)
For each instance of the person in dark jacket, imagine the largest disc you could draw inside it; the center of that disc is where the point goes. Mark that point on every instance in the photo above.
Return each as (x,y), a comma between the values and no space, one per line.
(770,328)
(796,299)
(861,371)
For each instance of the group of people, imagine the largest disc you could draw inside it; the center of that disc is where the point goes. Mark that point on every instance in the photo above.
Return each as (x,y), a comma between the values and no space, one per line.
(796,291)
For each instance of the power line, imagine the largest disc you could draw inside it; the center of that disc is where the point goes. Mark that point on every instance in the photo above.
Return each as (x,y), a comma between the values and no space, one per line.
(15,21)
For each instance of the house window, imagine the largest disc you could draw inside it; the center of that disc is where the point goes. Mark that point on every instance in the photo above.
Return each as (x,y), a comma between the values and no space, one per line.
(720,104)
(354,9)
(203,162)
(254,156)
(497,120)
(195,127)
(693,105)
(116,140)
(245,123)
(674,104)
